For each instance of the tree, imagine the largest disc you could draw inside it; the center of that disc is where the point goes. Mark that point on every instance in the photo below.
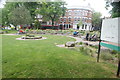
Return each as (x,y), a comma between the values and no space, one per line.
(37,25)
(116,9)
(32,6)
(80,23)
(0,16)
(115,12)
(51,11)
(10,6)
(96,20)
(20,16)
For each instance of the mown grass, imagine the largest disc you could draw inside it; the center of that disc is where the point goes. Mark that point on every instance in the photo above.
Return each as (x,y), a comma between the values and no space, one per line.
(9,31)
(42,59)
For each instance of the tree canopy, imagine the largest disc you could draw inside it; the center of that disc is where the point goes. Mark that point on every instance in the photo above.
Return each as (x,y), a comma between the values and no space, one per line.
(115,12)
(20,16)
(0,15)
(116,9)
(6,10)
(96,19)
(51,11)
(10,6)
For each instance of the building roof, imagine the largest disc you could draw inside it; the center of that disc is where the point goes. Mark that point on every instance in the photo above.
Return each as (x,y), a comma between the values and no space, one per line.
(81,7)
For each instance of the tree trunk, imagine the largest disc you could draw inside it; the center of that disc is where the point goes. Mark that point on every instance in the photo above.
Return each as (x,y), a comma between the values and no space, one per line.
(118,71)
(52,23)
(15,27)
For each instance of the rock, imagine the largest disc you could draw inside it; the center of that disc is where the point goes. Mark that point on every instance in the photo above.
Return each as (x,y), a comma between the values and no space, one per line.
(26,37)
(70,44)
(90,44)
(79,46)
(95,44)
(23,37)
(86,43)
(115,59)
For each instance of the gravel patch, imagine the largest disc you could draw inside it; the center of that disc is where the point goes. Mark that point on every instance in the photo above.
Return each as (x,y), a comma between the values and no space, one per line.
(9,34)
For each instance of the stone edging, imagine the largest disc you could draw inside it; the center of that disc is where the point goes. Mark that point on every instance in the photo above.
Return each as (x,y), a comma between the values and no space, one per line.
(31,39)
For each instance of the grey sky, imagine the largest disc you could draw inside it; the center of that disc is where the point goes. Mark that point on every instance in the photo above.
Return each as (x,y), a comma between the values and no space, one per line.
(97,5)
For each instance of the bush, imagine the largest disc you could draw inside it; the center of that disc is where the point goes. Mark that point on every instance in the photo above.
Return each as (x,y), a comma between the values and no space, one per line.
(107,56)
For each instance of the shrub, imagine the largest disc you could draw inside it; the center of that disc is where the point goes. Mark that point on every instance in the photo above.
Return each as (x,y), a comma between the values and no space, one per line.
(107,56)
(114,52)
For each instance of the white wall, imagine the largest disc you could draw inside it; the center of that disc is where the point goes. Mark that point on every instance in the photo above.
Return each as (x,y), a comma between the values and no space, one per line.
(110,30)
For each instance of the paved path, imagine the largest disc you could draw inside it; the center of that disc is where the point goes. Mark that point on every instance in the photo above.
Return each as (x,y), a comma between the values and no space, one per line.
(96,43)
(9,34)
(81,40)
(77,39)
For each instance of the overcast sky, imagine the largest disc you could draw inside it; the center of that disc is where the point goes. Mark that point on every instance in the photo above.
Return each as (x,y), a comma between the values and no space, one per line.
(97,5)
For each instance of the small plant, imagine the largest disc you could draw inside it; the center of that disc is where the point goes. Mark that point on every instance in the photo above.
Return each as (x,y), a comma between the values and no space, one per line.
(93,54)
(96,47)
(114,52)
(80,43)
(85,51)
(82,49)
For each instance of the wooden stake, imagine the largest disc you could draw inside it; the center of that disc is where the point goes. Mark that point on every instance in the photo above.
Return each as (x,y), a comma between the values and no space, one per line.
(118,71)
(99,48)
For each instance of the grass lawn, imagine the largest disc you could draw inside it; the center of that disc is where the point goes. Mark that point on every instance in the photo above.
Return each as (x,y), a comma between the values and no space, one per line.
(42,59)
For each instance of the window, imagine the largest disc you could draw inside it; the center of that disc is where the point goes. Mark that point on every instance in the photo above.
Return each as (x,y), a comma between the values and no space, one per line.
(64,19)
(86,13)
(90,18)
(82,26)
(75,19)
(69,19)
(60,19)
(85,26)
(78,19)
(83,19)
(69,14)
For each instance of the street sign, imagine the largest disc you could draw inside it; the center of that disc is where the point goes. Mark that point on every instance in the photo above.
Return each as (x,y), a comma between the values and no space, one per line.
(110,33)
(110,37)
